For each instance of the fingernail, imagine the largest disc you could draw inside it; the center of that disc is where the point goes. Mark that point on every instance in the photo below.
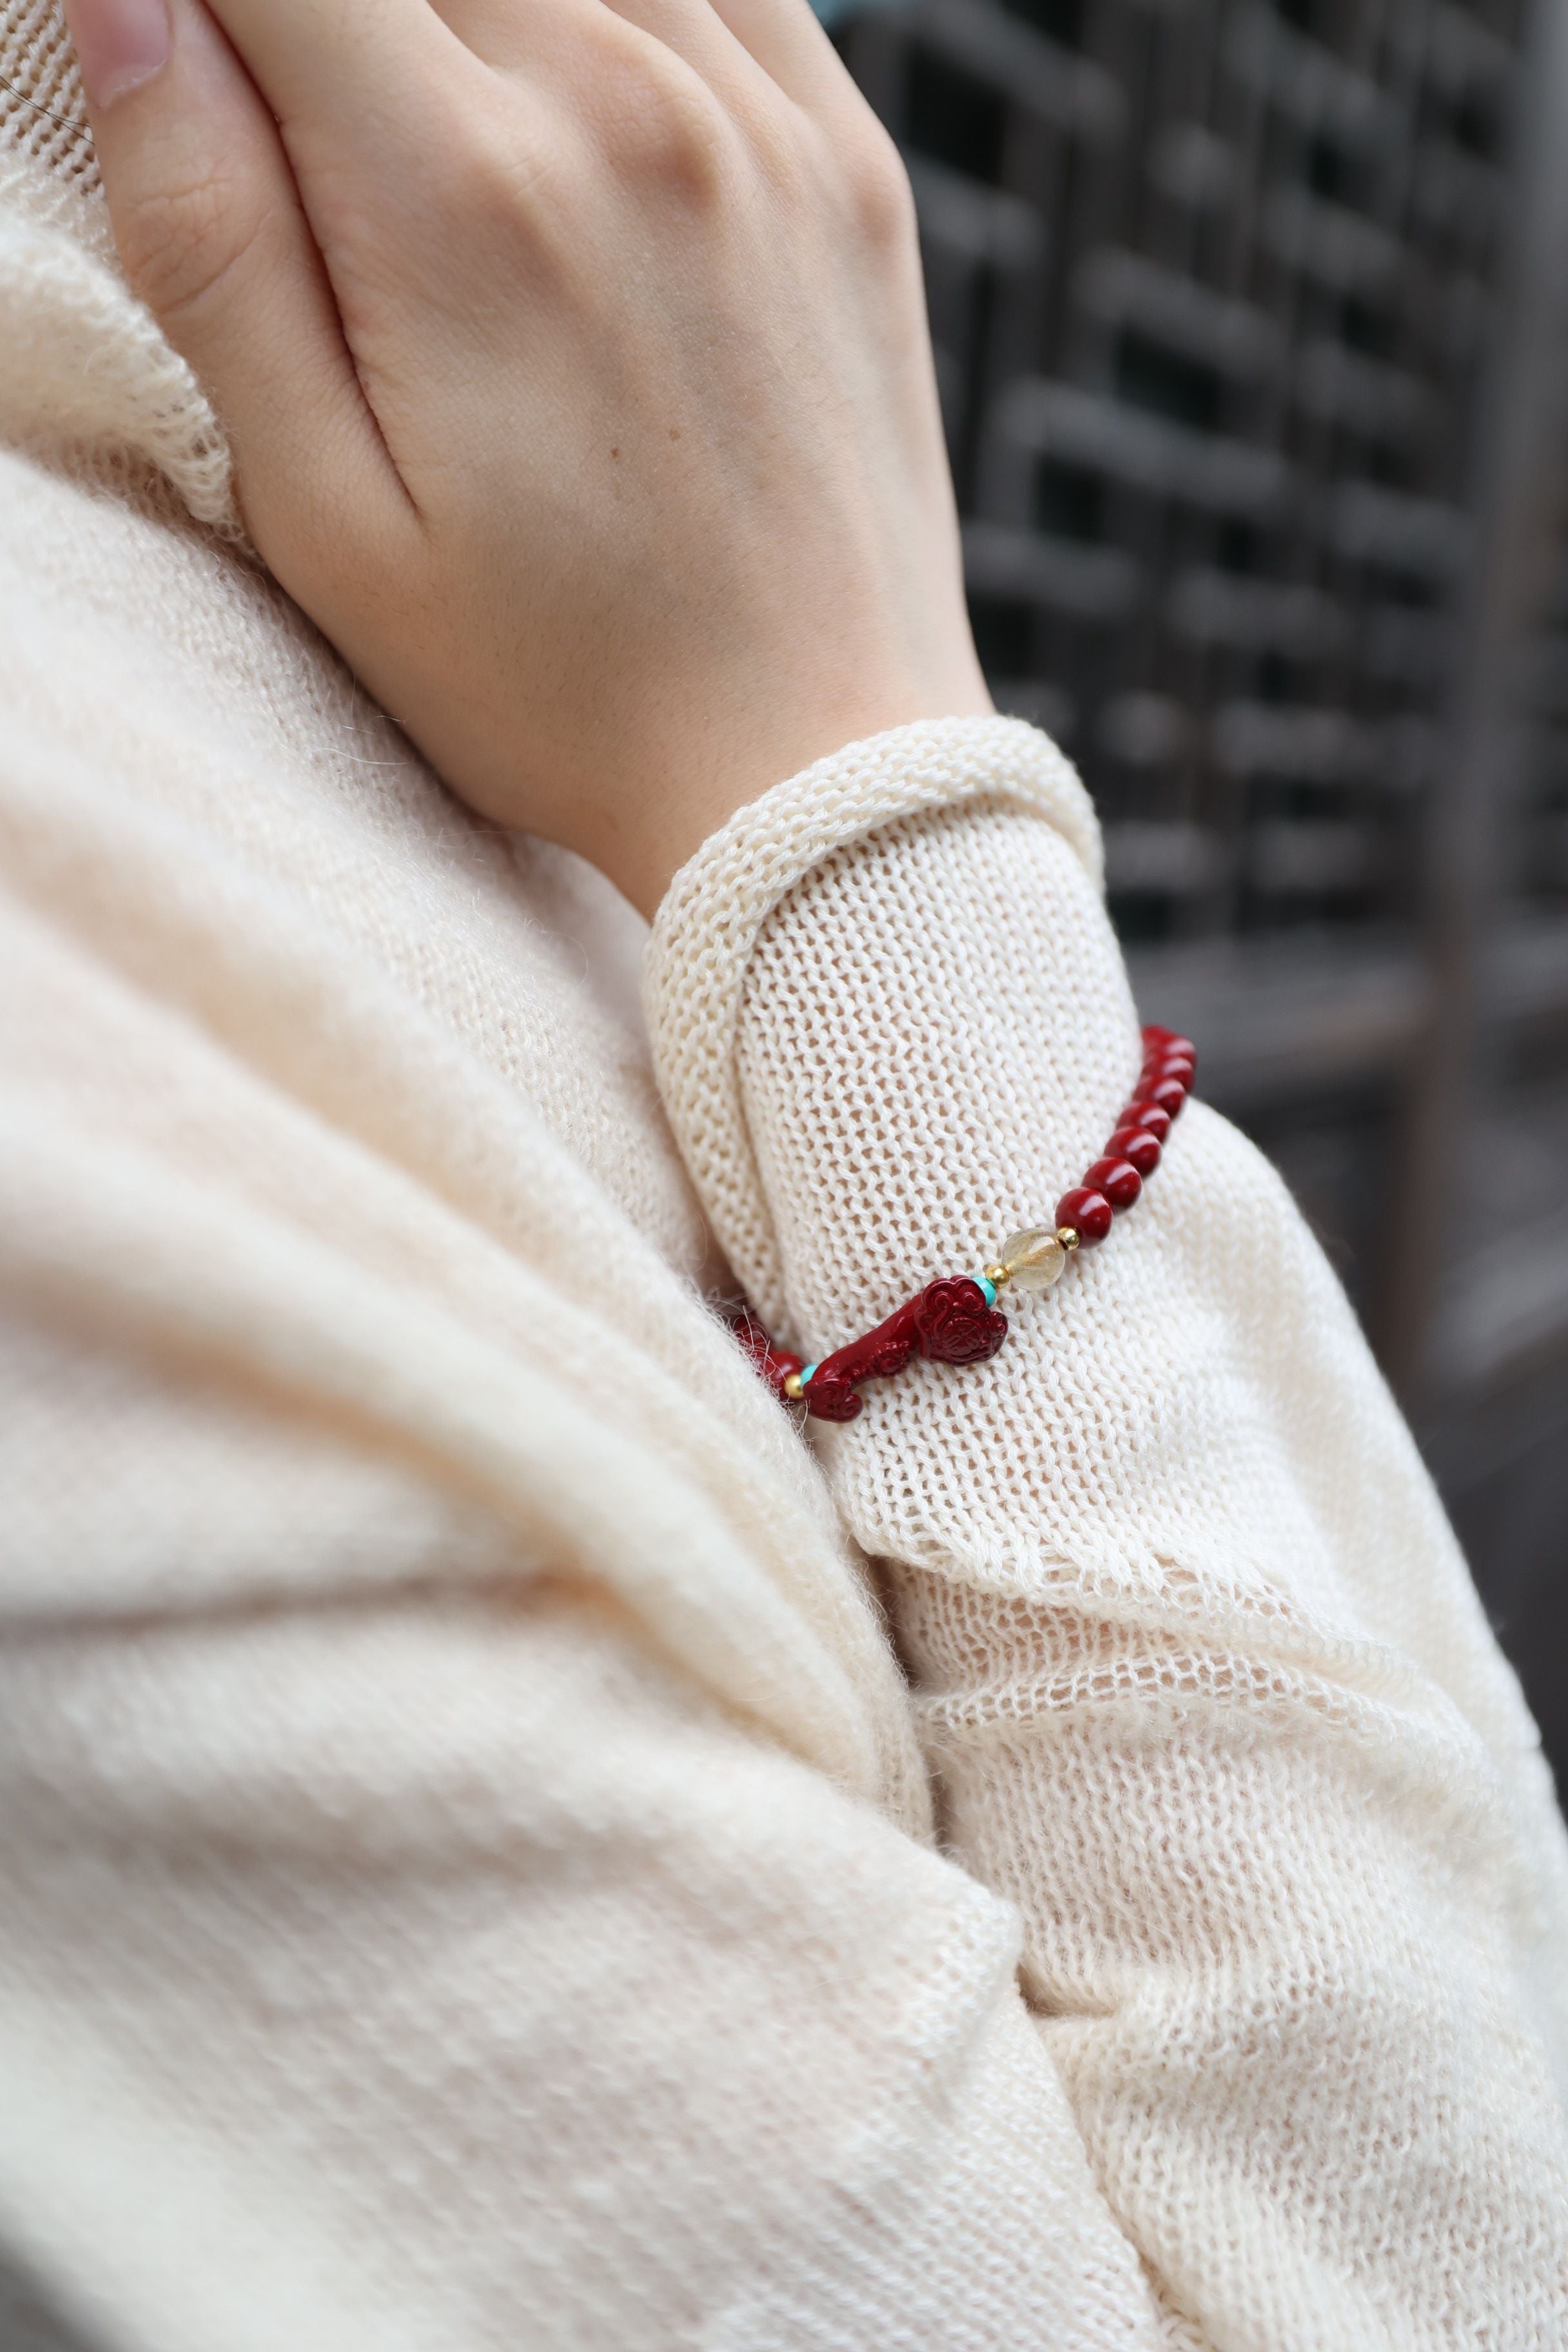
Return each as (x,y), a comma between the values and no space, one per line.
(119,44)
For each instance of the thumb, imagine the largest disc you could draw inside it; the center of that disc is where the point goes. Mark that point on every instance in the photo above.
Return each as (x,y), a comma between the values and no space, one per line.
(212,235)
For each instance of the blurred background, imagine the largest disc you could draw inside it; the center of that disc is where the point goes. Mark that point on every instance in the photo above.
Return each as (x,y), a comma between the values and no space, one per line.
(1249,318)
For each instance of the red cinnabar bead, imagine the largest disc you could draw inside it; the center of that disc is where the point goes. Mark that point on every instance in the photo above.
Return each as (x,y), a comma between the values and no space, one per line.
(1088,1213)
(775,1364)
(1136,1144)
(1149,1116)
(1164,1044)
(1168,1096)
(1180,1066)
(1117,1179)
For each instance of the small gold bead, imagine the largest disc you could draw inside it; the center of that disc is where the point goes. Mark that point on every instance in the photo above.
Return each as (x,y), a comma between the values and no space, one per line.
(1068,1236)
(998,1277)
(791,1386)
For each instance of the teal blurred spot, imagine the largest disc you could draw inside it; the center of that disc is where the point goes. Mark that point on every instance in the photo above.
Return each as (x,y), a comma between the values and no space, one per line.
(837,12)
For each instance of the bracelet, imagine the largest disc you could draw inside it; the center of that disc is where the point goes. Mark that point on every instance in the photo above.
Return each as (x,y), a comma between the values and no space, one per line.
(955,1320)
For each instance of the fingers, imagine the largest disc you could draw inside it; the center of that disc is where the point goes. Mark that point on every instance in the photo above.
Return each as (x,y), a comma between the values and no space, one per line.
(781,39)
(213,238)
(374,105)
(567,47)
(790,46)
(356,70)
(726,41)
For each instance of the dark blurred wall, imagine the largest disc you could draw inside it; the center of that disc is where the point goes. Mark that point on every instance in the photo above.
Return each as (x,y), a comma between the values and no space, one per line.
(1249,334)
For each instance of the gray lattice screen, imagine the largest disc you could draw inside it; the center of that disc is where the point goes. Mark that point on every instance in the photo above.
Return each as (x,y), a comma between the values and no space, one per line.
(1216,287)
(1209,286)
(1541,849)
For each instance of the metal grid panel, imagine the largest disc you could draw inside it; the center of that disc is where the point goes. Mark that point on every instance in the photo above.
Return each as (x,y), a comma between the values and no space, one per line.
(1209,284)
(1241,318)
(1541,848)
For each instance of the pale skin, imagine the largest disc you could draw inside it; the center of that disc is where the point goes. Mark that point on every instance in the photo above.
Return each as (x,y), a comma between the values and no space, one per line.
(575,364)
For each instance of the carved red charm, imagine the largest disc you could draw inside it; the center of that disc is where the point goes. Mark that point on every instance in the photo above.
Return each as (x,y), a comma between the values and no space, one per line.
(955,1324)
(831,1399)
(948,1321)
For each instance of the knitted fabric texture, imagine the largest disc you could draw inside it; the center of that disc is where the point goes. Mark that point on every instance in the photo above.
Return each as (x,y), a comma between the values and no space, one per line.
(1190,1636)
(43,114)
(86,375)
(467,1870)
(696,979)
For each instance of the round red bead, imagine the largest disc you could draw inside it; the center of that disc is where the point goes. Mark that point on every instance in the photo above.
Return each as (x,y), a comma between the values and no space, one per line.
(1154,1032)
(1151,1117)
(1088,1213)
(1136,1144)
(1168,1096)
(1117,1179)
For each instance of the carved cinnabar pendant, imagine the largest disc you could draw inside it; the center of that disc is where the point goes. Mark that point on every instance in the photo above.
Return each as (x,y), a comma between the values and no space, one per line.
(955,1322)
(951,1322)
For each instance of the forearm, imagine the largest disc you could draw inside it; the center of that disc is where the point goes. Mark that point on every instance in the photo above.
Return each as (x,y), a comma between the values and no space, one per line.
(1207,1686)
(464,1862)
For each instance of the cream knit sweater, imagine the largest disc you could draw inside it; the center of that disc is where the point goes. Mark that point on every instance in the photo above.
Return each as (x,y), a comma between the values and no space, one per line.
(503,1844)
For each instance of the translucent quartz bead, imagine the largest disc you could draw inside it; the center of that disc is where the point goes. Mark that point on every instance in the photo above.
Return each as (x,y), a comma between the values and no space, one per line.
(1034,1259)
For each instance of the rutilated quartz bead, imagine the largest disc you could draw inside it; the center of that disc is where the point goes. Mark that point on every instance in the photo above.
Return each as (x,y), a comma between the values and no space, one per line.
(1033,1259)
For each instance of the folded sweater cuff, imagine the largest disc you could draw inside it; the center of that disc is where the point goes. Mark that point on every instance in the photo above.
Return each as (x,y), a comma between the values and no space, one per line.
(706,931)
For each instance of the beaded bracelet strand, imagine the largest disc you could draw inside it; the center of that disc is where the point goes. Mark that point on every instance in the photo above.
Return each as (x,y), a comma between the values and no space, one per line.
(955,1320)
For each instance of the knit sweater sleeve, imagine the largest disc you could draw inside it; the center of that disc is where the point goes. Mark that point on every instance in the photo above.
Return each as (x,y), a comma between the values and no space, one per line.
(1201,1678)
(464,1882)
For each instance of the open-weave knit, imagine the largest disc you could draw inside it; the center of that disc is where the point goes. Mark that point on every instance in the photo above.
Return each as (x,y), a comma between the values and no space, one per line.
(84,374)
(502,1841)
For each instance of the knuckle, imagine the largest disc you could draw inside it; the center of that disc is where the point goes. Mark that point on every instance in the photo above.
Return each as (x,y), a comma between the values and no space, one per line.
(504,178)
(782,150)
(179,241)
(880,199)
(497,178)
(668,133)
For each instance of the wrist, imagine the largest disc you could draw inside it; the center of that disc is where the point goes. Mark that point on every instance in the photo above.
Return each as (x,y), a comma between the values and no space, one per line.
(711,780)
(718,928)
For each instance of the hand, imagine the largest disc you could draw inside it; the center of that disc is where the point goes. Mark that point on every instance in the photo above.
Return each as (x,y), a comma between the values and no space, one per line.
(576,369)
